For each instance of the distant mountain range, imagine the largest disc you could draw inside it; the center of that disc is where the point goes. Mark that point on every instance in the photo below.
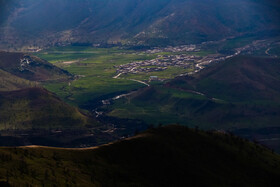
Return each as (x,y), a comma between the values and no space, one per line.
(40,23)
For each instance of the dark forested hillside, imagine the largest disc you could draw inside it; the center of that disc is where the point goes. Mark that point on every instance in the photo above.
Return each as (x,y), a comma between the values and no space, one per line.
(153,22)
(169,156)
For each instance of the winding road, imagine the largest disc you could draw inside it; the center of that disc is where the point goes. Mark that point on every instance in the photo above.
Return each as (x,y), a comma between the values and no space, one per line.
(141,82)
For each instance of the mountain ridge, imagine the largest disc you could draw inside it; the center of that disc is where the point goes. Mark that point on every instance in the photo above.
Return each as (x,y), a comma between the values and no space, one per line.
(237,76)
(166,156)
(167,22)
(31,68)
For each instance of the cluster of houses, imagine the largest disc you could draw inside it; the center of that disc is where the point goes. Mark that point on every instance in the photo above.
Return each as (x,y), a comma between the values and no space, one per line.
(161,63)
(179,59)
(177,49)
(24,62)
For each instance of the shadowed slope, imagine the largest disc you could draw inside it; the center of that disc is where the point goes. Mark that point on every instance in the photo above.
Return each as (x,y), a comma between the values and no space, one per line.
(169,156)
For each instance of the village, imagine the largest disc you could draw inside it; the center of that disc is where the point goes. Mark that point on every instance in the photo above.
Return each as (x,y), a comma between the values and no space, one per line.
(180,57)
(177,49)
(24,63)
(162,62)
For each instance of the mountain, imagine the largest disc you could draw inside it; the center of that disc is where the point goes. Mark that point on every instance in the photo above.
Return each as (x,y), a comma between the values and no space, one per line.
(240,95)
(23,104)
(242,78)
(31,68)
(240,92)
(29,23)
(35,116)
(168,156)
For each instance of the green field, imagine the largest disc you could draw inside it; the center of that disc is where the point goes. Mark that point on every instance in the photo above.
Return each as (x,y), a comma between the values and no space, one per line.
(161,105)
(232,98)
(157,105)
(95,69)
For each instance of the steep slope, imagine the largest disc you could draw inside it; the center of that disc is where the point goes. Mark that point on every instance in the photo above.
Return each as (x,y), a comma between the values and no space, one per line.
(36,108)
(30,67)
(169,156)
(9,82)
(152,22)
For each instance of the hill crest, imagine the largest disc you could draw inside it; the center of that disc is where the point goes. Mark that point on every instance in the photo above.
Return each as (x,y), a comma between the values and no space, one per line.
(138,22)
(166,156)
(31,68)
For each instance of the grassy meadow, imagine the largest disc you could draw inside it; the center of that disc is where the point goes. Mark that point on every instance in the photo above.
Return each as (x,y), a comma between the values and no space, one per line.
(95,68)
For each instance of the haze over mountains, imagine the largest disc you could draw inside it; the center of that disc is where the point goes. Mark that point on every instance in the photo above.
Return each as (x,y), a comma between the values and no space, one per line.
(154,22)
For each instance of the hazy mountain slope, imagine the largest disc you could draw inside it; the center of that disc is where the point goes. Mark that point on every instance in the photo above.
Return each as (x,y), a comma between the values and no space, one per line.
(169,156)
(197,21)
(36,108)
(6,9)
(30,67)
(154,22)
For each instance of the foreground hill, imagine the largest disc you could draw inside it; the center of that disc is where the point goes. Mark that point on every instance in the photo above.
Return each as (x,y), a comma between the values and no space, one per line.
(35,116)
(36,108)
(152,22)
(169,156)
(30,67)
